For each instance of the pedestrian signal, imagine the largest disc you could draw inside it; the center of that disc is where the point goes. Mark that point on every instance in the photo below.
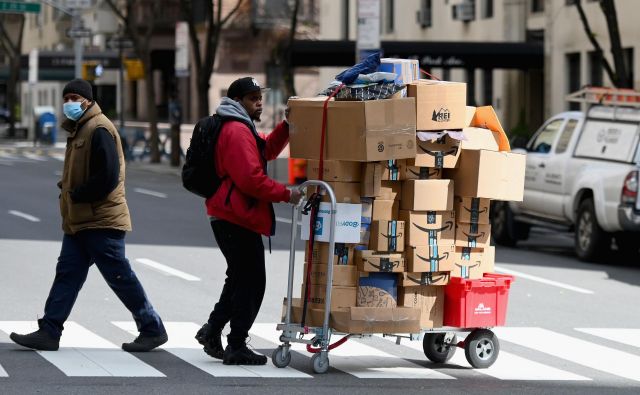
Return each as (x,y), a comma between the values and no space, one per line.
(135,69)
(91,70)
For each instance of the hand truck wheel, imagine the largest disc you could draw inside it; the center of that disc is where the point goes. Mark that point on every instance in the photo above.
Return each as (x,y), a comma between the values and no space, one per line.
(280,357)
(320,362)
(435,348)
(481,348)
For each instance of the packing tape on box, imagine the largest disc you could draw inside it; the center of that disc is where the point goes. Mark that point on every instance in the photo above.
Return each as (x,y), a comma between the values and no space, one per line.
(429,278)
(434,258)
(390,131)
(426,173)
(465,270)
(474,210)
(394,170)
(392,235)
(432,234)
(472,235)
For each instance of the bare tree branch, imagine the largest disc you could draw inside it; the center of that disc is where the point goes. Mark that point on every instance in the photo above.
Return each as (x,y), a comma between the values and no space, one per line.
(596,45)
(231,13)
(609,10)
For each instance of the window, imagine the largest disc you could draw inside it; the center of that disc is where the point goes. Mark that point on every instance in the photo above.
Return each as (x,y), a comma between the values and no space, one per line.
(390,23)
(537,5)
(487,86)
(565,137)
(573,77)
(595,68)
(487,9)
(424,14)
(544,140)
(446,74)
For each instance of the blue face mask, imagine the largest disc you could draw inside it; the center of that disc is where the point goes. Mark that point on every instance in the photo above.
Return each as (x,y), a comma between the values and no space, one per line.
(73,110)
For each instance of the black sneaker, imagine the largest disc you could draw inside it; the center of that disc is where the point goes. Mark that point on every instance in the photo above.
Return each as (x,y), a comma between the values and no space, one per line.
(145,343)
(242,356)
(38,340)
(211,341)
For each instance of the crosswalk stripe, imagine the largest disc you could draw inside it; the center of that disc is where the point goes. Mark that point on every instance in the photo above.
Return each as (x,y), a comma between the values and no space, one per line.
(507,367)
(3,373)
(359,359)
(630,337)
(183,345)
(35,157)
(85,354)
(578,351)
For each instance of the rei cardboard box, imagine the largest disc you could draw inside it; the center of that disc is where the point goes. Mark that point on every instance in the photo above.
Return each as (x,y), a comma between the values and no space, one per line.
(363,131)
(439,104)
(471,210)
(440,153)
(387,236)
(472,263)
(372,261)
(424,228)
(346,192)
(490,175)
(376,320)
(429,299)
(379,209)
(473,235)
(343,253)
(421,173)
(426,278)
(434,258)
(343,275)
(427,195)
(335,170)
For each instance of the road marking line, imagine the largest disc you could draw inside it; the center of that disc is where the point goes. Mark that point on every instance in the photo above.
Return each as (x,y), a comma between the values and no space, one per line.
(5,163)
(578,351)
(359,360)
(150,193)
(59,157)
(3,373)
(167,269)
(543,280)
(33,156)
(630,337)
(183,345)
(85,354)
(507,367)
(24,215)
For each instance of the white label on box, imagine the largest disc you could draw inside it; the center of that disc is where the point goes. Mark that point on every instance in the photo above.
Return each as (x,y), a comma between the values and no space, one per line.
(347,223)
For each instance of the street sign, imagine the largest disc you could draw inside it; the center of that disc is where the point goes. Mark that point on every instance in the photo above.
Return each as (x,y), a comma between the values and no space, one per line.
(19,7)
(181,63)
(78,32)
(78,4)
(117,42)
(33,66)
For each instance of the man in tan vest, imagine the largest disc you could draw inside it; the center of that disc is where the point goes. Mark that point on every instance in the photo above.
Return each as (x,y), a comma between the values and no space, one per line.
(95,218)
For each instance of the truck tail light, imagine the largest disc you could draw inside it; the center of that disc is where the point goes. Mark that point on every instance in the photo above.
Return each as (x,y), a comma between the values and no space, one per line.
(630,188)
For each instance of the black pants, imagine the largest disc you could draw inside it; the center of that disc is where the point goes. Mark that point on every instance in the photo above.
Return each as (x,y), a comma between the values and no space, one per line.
(244,286)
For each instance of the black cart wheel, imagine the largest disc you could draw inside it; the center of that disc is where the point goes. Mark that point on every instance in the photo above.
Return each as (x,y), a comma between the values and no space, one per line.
(481,348)
(281,359)
(435,348)
(320,362)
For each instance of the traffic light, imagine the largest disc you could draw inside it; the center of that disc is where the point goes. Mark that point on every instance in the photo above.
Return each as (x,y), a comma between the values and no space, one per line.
(135,69)
(91,70)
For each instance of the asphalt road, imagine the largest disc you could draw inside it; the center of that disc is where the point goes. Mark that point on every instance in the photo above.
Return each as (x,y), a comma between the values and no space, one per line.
(572,327)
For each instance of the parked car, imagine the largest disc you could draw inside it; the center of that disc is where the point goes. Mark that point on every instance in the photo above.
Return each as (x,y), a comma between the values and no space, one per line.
(581,175)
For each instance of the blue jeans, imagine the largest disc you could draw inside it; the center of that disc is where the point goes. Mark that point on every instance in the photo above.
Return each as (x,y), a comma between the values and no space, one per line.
(105,248)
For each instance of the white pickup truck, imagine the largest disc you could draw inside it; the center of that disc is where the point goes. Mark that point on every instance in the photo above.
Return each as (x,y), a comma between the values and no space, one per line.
(581,175)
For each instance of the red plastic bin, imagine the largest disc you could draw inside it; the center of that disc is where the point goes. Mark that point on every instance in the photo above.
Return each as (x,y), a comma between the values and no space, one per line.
(477,303)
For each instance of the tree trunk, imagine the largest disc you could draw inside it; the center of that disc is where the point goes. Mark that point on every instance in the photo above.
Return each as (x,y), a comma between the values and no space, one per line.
(609,10)
(288,75)
(152,114)
(203,93)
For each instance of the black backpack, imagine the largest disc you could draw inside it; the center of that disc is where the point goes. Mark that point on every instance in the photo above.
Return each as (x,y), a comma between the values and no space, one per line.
(199,174)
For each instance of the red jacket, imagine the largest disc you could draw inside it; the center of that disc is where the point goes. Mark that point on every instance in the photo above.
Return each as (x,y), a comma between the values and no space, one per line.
(240,165)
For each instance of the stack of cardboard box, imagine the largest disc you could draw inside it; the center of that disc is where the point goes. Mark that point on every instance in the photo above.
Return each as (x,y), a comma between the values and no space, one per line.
(424,169)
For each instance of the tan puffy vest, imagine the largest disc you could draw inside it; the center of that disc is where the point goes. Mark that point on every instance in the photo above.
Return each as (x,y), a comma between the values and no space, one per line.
(111,212)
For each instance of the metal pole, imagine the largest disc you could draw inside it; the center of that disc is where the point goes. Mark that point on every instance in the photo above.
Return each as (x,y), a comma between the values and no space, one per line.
(76,22)
(121,87)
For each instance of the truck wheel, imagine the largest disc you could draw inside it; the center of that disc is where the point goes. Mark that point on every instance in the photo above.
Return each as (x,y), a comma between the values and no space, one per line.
(502,224)
(590,239)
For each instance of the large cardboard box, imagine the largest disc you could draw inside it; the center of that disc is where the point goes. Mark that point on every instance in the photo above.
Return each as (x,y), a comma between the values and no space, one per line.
(387,236)
(479,138)
(490,174)
(346,192)
(347,223)
(343,275)
(439,104)
(424,278)
(425,228)
(485,117)
(434,258)
(429,299)
(376,320)
(471,210)
(427,195)
(377,290)
(473,235)
(340,296)
(335,170)
(372,261)
(421,173)
(472,263)
(297,304)
(379,209)
(442,153)
(364,131)
(343,253)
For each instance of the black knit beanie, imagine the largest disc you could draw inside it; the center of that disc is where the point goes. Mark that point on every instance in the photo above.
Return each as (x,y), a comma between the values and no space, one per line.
(79,87)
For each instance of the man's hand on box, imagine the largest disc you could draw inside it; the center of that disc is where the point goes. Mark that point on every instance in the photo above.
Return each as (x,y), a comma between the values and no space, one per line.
(296,195)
